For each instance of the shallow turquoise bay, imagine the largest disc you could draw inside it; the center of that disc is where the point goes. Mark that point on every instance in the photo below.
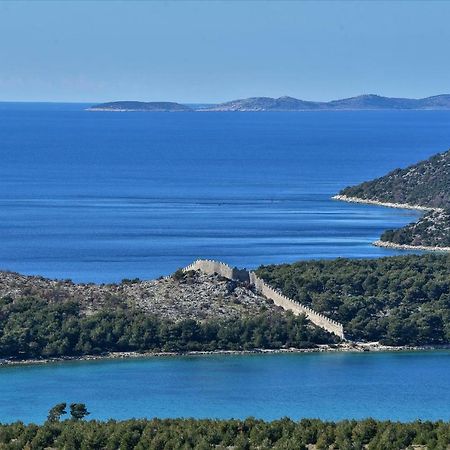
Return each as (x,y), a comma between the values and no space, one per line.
(398,386)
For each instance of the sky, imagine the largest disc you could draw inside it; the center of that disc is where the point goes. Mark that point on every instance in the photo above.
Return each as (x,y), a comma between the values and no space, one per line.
(206,52)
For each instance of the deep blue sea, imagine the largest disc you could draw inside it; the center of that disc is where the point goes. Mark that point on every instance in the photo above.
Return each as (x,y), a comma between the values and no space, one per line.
(101,196)
(397,386)
(104,196)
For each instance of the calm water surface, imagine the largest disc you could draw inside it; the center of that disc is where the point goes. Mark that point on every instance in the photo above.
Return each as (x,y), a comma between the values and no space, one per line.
(400,386)
(104,196)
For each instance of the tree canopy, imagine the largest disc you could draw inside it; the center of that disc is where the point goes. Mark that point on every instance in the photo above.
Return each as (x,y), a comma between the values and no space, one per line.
(251,433)
(34,328)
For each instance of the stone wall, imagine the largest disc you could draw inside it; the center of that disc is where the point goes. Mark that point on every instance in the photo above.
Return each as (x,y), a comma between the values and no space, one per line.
(211,267)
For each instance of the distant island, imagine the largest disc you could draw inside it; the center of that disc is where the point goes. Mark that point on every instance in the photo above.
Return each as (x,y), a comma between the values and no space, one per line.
(124,106)
(361,102)
(261,104)
(423,186)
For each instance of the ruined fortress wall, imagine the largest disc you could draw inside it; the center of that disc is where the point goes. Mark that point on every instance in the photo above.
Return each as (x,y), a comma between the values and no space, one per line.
(224,270)
(297,308)
(211,267)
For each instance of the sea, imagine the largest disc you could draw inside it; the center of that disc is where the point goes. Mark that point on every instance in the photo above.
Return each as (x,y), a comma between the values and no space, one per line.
(102,196)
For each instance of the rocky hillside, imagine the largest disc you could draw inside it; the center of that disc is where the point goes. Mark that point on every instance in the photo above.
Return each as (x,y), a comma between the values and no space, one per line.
(41,318)
(140,106)
(426,183)
(431,230)
(190,296)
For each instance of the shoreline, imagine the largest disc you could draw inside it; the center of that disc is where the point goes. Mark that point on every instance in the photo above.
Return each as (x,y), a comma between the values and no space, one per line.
(393,245)
(345,198)
(357,347)
(388,244)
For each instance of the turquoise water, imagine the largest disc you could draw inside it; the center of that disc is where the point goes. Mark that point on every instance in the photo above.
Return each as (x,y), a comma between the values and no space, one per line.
(398,386)
(105,196)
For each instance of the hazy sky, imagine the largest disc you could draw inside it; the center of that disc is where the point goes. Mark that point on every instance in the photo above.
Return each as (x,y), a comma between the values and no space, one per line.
(213,51)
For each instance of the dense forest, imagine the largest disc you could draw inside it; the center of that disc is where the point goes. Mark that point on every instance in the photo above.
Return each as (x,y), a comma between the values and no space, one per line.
(34,328)
(173,434)
(426,183)
(396,300)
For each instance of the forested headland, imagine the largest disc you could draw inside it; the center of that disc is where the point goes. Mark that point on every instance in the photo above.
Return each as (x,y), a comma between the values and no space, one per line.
(425,184)
(397,301)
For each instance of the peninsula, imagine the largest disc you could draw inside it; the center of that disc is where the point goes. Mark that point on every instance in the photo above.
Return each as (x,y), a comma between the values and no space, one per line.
(399,302)
(423,186)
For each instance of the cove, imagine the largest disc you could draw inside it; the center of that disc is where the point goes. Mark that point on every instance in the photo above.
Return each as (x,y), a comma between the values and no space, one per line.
(331,386)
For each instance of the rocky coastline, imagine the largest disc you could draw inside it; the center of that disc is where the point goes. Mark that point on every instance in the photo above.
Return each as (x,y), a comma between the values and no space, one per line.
(345,198)
(345,347)
(389,244)
(392,245)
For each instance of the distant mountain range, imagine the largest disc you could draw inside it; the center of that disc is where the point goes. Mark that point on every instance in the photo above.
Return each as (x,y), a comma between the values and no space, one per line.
(359,103)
